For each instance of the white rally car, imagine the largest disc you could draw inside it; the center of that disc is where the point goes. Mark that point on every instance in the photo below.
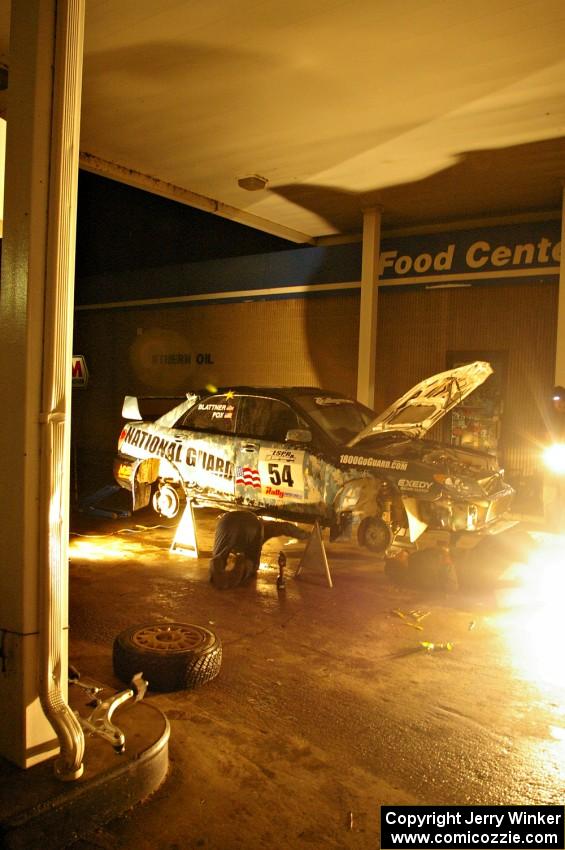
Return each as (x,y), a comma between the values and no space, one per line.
(308,454)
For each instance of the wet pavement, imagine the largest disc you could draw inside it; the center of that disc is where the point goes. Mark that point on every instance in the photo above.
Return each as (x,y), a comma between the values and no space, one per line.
(327,706)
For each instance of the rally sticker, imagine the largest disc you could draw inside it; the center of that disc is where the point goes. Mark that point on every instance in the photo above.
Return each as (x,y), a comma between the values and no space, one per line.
(282,474)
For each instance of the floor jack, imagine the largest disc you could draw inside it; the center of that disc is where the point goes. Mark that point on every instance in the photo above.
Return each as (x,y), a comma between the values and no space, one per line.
(89,504)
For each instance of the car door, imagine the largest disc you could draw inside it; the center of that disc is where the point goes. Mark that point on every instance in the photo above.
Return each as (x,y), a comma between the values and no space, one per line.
(270,472)
(206,459)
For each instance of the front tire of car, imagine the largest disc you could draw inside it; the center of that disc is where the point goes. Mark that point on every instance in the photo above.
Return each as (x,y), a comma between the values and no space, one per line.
(375,535)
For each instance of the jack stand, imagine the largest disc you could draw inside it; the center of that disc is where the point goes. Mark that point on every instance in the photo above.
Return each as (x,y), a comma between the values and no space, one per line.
(99,722)
(315,555)
(185,539)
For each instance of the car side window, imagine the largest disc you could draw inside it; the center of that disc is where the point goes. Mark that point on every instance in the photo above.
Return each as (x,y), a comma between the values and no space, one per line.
(216,414)
(265,418)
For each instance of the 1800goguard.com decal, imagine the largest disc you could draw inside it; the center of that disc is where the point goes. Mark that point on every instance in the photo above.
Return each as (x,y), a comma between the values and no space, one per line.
(375,462)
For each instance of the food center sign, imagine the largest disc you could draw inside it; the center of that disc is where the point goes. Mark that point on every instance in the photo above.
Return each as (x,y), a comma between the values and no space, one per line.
(496,252)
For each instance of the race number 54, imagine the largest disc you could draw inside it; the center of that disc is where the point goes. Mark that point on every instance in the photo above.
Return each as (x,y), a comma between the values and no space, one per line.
(280,474)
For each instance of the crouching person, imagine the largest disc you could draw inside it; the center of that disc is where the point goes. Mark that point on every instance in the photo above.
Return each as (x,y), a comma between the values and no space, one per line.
(237,546)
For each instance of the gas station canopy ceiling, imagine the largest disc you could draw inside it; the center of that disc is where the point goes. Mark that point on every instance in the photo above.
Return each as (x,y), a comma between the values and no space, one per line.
(435,111)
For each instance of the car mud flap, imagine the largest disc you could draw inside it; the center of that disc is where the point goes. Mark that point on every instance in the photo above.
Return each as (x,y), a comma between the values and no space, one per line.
(415,525)
(144,475)
(141,494)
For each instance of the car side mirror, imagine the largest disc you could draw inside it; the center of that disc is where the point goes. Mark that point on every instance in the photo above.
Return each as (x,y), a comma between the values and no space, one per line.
(298,435)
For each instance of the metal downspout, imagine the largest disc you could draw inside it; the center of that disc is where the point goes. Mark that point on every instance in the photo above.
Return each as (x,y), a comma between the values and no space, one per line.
(56,388)
(53,567)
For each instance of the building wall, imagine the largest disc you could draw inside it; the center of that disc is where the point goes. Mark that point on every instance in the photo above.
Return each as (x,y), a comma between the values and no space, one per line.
(418,327)
(177,349)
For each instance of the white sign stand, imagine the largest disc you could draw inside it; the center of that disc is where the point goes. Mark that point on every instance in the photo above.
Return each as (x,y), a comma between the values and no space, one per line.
(314,555)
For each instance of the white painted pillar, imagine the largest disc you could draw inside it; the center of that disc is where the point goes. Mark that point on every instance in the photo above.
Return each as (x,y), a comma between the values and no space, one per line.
(560,350)
(36,302)
(368,307)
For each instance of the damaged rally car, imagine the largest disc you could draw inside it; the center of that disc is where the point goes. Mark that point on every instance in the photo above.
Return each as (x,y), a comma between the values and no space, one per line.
(307,454)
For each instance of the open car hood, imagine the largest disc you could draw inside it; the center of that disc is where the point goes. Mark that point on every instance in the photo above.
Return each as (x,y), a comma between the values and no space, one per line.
(424,405)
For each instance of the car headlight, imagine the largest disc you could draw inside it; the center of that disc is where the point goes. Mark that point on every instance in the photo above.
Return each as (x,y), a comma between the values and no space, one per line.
(554,458)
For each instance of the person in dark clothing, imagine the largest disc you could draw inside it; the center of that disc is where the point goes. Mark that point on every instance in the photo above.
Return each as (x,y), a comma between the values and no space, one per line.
(238,541)
(554,457)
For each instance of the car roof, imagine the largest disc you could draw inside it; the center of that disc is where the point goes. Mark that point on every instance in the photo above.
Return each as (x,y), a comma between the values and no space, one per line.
(279,391)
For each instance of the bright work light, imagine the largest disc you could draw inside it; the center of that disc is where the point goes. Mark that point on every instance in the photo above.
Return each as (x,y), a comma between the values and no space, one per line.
(554,458)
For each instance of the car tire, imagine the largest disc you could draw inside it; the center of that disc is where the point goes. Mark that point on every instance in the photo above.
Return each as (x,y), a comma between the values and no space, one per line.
(374,534)
(171,656)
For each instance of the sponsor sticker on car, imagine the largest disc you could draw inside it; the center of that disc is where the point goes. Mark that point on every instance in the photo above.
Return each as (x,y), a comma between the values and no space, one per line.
(282,473)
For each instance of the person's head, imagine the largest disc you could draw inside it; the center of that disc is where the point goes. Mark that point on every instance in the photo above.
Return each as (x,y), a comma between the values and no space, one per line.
(234,562)
(238,567)
(559,399)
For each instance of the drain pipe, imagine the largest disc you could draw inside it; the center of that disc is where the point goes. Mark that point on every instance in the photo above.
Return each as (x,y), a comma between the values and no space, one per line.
(68,17)
(54,592)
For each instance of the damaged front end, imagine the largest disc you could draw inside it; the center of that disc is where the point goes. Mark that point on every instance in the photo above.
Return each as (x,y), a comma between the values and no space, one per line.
(378,512)
(371,511)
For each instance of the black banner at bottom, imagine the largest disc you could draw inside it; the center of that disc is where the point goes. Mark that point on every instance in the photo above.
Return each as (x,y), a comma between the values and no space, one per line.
(476,827)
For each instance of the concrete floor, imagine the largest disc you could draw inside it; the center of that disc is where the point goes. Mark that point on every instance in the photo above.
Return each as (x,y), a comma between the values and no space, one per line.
(327,706)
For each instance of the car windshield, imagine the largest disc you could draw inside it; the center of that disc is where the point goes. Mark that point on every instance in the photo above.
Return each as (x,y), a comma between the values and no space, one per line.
(340,418)
(384,441)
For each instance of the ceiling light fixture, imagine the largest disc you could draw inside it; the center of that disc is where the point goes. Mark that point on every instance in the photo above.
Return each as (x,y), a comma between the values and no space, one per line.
(252,183)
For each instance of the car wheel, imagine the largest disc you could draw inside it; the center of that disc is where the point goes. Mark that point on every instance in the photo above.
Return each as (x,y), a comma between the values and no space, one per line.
(171,656)
(166,501)
(374,534)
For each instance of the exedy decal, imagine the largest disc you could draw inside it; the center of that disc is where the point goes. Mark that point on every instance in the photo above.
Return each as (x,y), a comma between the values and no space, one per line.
(411,484)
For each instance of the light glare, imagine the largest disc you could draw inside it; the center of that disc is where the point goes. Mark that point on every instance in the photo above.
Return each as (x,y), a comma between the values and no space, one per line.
(554,458)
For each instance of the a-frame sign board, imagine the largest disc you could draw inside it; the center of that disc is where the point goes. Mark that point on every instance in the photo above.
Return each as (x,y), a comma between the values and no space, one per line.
(314,556)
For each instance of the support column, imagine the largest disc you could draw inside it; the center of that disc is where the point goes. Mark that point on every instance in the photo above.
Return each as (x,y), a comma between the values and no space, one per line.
(36,302)
(560,349)
(368,306)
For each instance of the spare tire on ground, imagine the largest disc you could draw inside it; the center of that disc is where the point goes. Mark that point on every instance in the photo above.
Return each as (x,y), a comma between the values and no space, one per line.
(171,656)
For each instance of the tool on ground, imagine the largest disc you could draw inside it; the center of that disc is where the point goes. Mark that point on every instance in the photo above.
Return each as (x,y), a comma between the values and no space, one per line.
(99,722)
(281,584)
